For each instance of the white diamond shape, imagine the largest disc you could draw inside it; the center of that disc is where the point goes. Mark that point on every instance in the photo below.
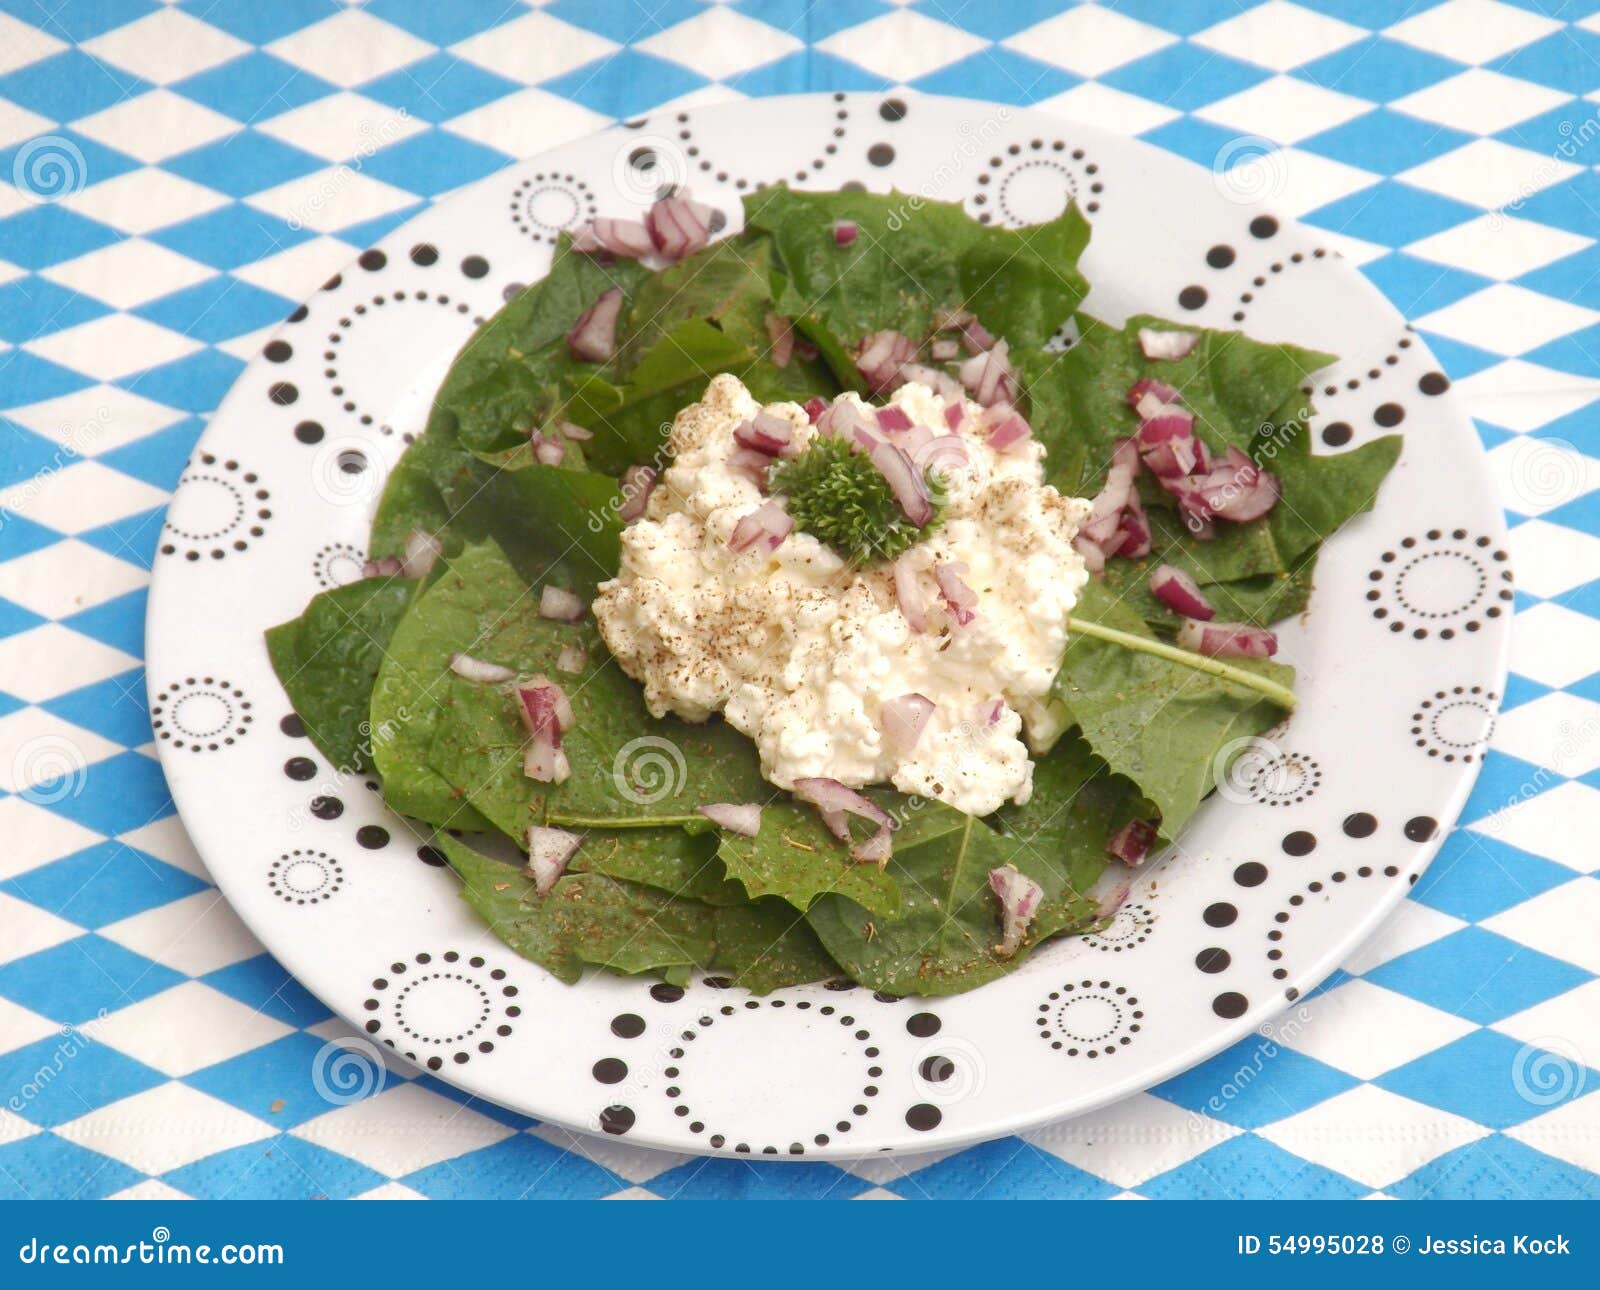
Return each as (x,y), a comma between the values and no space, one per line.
(341,126)
(902,45)
(1535,475)
(1507,317)
(1131,1141)
(1555,646)
(1479,101)
(114,346)
(95,420)
(1279,35)
(526,123)
(1551,558)
(1110,109)
(331,199)
(155,126)
(30,929)
(1284,109)
(35,836)
(195,935)
(59,580)
(165,839)
(1371,1135)
(1559,922)
(129,273)
(165,46)
(21,44)
(1524,396)
(144,199)
(534,48)
(297,272)
(1367,1030)
(1089,40)
(402,1129)
(164,1128)
(17,124)
(13,1128)
(1472,31)
(1568,1132)
(40,749)
(1410,927)
(720,43)
(51,659)
(350,48)
(1563,1026)
(1558,731)
(1560,824)
(1309,182)
(19,1027)
(1490,174)
(1499,246)
(183,1029)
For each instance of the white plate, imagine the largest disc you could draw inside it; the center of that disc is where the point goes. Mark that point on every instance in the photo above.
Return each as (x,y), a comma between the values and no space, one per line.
(1401,661)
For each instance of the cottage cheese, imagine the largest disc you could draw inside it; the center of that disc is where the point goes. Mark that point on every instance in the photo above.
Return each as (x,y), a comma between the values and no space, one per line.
(800,651)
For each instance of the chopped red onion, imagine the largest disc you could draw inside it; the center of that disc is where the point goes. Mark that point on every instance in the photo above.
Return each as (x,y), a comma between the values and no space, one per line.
(1020,897)
(845,232)
(548,450)
(560,604)
(1169,425)
(547,714)
(990,711)
(976,337)
(422,553)
(593,337)
(768,523)
(1237,489)
(766,432)
(1133,531)
(946,319)
(815,406)
(893,417)
(1105,513)
(636,484)
(679,226)
(572,430)
(835,802)
(941,383)
(1011,431)
(743,818)
(752,463)
(954,414)
(1112,901)
(903,720)
(549,850)
(781,333)
(1171,459)
(1094,556)
(572,659)
(945,349)
(387,567)
(960,599)
(1167,345)
(904,479)
(1159,391)
(1179,592)
(988,375)
(1227,640)
(880,356)
(475,669)
(841,419)
(1132,842)
(908,592)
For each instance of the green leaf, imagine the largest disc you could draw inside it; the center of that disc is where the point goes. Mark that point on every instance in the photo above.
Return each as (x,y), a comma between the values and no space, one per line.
(628,928)
(328,659)
(670,860)
(797,860)
(942,941)
(766,946)
(505,898)
(1163,724)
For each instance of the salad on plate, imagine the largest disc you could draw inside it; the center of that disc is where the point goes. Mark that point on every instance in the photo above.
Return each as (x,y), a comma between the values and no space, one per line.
(830,600)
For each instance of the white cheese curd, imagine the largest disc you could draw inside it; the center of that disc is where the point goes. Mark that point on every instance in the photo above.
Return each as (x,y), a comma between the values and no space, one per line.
(800,651)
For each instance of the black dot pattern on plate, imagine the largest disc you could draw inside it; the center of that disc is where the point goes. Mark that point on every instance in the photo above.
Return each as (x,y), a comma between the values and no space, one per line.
(1455,724)
(300,768)
(545,204)
(201,714)
(923,1025)
(1440,583)
(1031,181)
(679,1071)
(326,808)
(432,856)
(1278,777)
(1354,380)
(376,305)
(372,836)
(645,162)
(1252,873)
(292,726)
(336,564)
(1299,843)
(1131,926)
(218,508)
(304,877)
(1315,893)
(1265,274)
(1089,1018)
(441,1008)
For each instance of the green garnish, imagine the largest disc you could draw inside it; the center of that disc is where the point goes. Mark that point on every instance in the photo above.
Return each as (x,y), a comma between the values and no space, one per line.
(839,497)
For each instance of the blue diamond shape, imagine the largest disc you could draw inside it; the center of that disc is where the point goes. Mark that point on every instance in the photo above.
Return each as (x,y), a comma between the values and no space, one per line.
(1418,286)
(1185,76)
(20,535)
(260,23)
(1000,76)
(443,24)
(1520,690)
(440,87)
(1561,127)
(1563,60)
(1478,975)
(1181,20)
(1250,1168)
(1578,353)
(433,163)
(1378,69)
(45,1167)
(806,71)
(1391,214)
(1569,205)
(1475,877)
(1484,1077)
(1255,1082)
(1200,141)
(83,19)
(114,708)
(281,1168)
(245,162)
(1497,1168)
(31,307)
(75,980)
(102,884)
(625,21)
(118,622)
(26,455)
(625,84)
(814,22)
(499,1114)
(521,1167)
(1385,141)
(15,619)
(375,230)
(1009,1169)
(1576,278)
(230,237)
(215,310)
(31,379)
(992,21)
(44,235)
(69,85)
(1458,358)
(1502,781)
(132,539)
(158,459)
(67,1075)
(262,984)
(254,86)
(196,384)
(121,793)
(748,1178)
(1372,14)
(286,1071)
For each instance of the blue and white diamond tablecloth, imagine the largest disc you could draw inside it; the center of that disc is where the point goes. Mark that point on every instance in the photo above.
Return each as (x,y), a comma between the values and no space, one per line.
(149,1048)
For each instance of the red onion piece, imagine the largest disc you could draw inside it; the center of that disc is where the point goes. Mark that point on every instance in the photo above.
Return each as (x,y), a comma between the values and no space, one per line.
(781,333)
(880,356)
(903,720)
(768,523)
(1009,432)
(1105,513)
(1132,842)
(549,850)
(475,669)
(908,592)
(841,419)
(815,406)
(835,802)
(941,383)
(766,432)
(988,375)
(572,430)
(679,226)
(1168,426)
(946,319)
(990,711)
(893,417)
(546,714)
(905,481)
(548,450)
(975,336)
(627,238)
(1159,390)
(1237,489)
(1171,459)
(387,567)
(1020,897)
(1112,901)
(752,463)
(636,484)
(1179,592)
(945,349)
(572,659)
(1094,556)
(743,818)
(560,604)
(422,553)
(1227,640)
(593,337)
(954,414)
(1133,531)
(1167,345)
(960,599)
(845,232)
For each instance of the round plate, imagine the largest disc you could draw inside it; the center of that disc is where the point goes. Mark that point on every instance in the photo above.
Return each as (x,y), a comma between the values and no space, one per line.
(1314,839)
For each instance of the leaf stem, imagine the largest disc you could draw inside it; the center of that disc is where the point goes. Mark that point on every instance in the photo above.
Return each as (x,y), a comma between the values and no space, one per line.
(625,821)
(1279,694)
